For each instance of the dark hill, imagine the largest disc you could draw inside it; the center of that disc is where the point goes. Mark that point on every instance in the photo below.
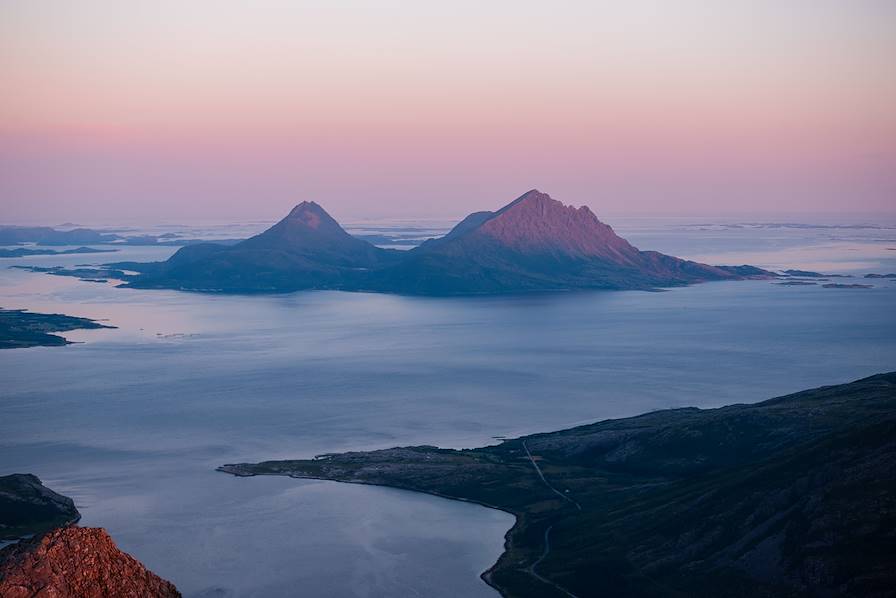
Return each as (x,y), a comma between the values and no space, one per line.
(28,507)
(307,249)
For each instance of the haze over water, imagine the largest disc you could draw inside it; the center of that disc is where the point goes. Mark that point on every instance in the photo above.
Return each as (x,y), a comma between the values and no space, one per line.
(132,422)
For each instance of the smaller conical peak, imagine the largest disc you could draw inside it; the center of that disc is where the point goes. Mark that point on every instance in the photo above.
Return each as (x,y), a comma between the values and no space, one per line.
(305,206)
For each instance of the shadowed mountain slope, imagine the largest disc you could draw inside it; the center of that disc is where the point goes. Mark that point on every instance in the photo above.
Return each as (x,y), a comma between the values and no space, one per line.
(28,507)
(307,249)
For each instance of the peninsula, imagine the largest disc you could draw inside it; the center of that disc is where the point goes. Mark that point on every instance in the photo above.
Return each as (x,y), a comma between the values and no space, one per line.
(791,496)
(20,328)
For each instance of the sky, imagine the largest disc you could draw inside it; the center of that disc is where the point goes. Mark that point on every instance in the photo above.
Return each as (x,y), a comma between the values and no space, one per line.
(166,110)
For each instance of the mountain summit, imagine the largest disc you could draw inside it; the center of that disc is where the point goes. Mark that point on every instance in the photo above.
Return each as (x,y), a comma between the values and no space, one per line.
(534,243)
(537,223)
(305,250)
(310,231)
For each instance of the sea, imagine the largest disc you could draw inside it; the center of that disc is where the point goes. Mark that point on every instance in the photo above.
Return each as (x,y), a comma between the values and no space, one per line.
(131,422)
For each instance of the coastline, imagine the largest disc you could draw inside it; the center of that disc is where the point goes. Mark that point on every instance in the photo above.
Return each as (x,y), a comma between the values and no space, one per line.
(672,501)
(484,576)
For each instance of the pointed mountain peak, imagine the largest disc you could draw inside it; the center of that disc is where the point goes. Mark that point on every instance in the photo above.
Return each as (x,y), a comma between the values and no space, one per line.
(542,206)
(306,206)
(529,199)
(535,222)
(532,195)
(310,214)
(306,226)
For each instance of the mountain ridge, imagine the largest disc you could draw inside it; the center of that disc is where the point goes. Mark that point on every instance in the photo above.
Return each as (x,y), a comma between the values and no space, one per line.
(536,243)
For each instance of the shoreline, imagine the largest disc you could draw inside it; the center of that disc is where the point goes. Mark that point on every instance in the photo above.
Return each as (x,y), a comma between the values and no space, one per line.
(485,576)
(672,501)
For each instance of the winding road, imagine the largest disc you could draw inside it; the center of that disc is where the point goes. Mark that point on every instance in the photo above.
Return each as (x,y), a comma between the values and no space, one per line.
(547,532)
(546,483)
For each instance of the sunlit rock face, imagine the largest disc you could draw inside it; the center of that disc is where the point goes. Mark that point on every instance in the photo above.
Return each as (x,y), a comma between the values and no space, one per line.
(76,562)
(536,243)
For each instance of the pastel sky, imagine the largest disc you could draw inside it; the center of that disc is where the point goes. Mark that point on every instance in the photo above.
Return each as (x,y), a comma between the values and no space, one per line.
(225,109)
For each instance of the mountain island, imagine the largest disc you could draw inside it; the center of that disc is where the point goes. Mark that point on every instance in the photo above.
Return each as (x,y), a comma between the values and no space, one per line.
(534,243)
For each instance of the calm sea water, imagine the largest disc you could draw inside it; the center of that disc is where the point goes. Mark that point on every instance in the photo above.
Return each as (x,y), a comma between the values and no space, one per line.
(132,422)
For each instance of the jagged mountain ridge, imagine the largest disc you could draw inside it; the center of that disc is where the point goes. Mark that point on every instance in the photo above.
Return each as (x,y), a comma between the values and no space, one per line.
(536,223)
(536,243)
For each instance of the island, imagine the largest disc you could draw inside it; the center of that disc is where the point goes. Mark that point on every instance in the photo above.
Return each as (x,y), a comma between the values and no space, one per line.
(836,285)
(24,251)
(533,244)
(791,496)
(811,274)
(49,236)
(45,235)
(20,328)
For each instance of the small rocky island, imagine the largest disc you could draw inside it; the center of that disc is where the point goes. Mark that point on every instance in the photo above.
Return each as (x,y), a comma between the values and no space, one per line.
(57,558)
(836,285)
(793,496)
(20,328)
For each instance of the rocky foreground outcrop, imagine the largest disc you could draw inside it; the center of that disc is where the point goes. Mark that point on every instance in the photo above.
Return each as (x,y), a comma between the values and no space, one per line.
(60,560)
(76,562)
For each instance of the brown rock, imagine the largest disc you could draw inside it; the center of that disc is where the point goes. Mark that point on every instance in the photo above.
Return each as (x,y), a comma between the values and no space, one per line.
(76,562)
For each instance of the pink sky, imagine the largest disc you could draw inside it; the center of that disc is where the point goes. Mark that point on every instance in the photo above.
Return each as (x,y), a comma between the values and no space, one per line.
(170,110)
